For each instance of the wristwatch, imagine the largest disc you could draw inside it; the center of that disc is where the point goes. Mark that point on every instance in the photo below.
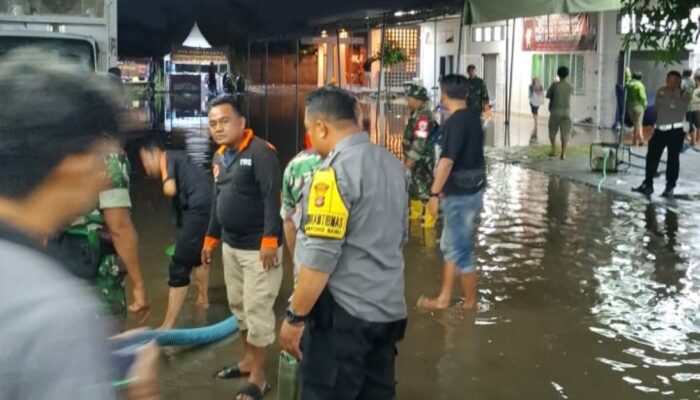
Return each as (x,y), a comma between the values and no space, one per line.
(294,319)
(438,195)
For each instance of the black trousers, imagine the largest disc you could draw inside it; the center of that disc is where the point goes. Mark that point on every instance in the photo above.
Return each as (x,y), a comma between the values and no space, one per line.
(188,247)
(672,141)
(346,358)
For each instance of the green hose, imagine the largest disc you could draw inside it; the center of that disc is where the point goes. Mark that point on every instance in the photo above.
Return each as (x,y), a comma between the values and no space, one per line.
(170,251)
(605,170)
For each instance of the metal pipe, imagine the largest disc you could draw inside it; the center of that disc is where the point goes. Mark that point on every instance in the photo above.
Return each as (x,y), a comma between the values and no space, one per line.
(435,59)
(510,93)
(340,78)
(461,31)
(296,95)
(267,65)
(381,66)
(250,81)
(505,97)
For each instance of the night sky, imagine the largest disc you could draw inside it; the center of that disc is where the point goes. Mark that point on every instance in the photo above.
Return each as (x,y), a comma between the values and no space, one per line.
(149,27)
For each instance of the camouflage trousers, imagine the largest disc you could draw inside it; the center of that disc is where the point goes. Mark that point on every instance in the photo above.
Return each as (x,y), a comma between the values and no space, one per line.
(110,285)
(420,183)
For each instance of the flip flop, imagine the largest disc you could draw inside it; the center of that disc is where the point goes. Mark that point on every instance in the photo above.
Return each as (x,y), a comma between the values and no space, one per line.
(253,392)
(230,372)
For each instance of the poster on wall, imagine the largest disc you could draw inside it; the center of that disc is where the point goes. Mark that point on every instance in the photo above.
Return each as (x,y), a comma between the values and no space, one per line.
(560,32)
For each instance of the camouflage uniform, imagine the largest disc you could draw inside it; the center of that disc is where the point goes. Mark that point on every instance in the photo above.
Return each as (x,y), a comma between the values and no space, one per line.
(478,94)
(297,174)
(110,274)
(417,149)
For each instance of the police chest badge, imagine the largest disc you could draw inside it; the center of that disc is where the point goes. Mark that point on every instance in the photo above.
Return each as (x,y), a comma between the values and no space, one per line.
(327,214)
(320,190)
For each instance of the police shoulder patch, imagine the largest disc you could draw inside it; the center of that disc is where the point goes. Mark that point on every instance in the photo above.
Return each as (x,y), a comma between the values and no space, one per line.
(327,215)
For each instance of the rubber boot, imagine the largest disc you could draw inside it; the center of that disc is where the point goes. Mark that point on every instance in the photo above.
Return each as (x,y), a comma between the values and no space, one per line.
(416,210)
(428,220)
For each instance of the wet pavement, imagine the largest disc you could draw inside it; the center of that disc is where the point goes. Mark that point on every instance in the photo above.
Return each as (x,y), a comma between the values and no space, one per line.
(583,294)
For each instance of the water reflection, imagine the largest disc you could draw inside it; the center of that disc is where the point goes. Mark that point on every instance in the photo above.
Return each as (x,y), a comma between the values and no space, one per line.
(649,295)
(588,294)
(585,294)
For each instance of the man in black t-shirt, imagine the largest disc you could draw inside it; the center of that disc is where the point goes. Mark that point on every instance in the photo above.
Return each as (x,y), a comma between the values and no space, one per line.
(191,189)
(459,186)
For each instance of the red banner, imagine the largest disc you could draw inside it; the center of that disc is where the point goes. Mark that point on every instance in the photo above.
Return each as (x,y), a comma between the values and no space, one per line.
(560,32)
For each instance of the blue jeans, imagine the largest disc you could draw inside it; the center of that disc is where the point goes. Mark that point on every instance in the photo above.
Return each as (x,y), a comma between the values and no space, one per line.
(457,244)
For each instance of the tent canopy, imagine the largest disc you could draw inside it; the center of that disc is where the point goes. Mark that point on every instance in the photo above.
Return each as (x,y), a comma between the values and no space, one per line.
(196,39)
(479,11)
(197,50)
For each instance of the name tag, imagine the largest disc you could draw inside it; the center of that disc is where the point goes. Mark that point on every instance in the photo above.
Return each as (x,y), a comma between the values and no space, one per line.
(248,162)
(327,214)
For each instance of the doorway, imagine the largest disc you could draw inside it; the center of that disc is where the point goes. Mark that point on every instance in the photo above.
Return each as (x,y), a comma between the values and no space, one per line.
(490,62)
(447,65)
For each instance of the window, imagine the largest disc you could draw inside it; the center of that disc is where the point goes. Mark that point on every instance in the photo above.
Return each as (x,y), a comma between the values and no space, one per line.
(75,51)
(497,33)
(545,67)
(488,34)
(477,35)
(625,23)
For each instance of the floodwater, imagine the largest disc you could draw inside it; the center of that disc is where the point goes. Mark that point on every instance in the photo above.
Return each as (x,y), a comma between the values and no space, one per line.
(583,294)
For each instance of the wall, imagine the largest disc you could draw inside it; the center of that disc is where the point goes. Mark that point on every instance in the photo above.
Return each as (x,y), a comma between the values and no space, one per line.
(429,61)
(600,67)
(282,69)
(609,47)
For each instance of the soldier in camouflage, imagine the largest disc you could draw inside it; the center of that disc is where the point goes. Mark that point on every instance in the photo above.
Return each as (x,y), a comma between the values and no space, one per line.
(110,229)
(478,97)
(419,156)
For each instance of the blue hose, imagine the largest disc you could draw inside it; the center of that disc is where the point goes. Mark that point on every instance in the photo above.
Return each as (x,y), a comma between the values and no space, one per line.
(191,337)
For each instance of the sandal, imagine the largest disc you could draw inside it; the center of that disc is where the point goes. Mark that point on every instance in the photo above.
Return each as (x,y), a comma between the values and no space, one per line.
(230,372)
(253,392)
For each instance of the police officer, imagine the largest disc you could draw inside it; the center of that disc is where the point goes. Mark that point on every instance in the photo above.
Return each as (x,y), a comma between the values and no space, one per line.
(349,300)
(671,104)
(419,156)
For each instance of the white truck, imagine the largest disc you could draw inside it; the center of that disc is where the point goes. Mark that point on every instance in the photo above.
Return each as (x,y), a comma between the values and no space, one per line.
(84,31)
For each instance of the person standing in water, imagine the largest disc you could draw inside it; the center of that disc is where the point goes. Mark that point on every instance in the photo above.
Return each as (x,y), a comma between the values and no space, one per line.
(669,134)
(190,188)
(559,95)
(536,95)
(459,189)
(419,155)
(246,217)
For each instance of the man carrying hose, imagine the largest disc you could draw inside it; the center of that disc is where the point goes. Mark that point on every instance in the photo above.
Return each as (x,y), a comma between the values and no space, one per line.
(190,187)
(245,216)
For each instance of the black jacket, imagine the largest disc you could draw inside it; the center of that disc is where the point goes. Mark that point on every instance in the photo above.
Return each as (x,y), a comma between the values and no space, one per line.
(245,211)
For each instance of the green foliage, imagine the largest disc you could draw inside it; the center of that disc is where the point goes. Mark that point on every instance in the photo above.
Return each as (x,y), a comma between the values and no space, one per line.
(392,55)
(160,79)
(668,30)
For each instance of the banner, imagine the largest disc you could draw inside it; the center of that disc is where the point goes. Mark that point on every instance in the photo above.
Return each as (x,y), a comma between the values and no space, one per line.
(560,32)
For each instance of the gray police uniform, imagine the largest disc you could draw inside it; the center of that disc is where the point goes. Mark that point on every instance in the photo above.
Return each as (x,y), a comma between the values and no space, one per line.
(669,134)
(354,226)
